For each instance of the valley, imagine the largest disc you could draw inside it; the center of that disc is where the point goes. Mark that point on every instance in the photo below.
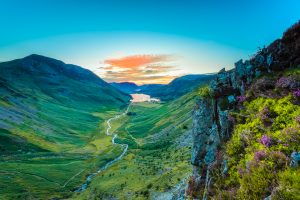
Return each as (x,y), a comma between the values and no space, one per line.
(157,162)
(150,100)
(85,138)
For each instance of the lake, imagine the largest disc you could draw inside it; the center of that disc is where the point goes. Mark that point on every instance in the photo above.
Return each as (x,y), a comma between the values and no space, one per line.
(143,98)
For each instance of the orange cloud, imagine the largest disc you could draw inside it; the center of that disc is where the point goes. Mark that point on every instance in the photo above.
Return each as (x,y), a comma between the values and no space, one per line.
(137,60)
(141,69)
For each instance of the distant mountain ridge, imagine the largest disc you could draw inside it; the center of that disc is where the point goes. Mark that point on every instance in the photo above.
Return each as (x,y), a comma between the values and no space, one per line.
(181,86)
(127,87)
(176,88)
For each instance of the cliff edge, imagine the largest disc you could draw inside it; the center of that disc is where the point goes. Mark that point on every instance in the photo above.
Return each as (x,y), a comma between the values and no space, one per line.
(240,133)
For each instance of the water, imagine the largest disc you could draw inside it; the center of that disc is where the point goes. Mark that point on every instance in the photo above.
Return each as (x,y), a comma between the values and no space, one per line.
(143,98)
(89,178)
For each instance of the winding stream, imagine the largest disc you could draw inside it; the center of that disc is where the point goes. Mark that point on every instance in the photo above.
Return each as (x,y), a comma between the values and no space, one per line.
(125,146)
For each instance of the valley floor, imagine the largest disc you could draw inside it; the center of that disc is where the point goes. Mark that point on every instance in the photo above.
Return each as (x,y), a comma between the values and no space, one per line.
(53,175)
(157,162)
(155,166)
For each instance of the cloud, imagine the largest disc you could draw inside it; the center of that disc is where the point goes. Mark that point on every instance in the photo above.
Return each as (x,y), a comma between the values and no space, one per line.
(141,69)
(136,61)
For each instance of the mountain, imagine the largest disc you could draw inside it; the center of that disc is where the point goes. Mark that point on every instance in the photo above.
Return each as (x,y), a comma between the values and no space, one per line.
(126,87)
(178,86)
(246,127)
(130,88)
(147,88)
(48,93)
(52,115)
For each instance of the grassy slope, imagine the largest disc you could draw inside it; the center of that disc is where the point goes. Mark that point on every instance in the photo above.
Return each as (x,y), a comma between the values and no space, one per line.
(157,160)
(52,127)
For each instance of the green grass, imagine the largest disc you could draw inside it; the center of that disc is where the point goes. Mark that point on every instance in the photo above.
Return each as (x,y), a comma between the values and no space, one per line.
(48,176)
(53,170)
(54,148)
(155,161)
(153,164)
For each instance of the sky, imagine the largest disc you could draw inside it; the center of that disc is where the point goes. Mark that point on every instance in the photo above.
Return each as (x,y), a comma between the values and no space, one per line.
(143,41)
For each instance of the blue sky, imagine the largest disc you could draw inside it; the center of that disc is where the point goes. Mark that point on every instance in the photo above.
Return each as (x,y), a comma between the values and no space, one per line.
(204,35)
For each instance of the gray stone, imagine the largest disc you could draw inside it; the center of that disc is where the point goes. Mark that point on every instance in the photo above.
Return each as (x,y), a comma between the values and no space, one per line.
(202,121)
(295,159)
(257,73)
(225,167)
(224,123)
(268,198)
(259,59)
(211,147)
(269,59)
(240,68)
(231,99)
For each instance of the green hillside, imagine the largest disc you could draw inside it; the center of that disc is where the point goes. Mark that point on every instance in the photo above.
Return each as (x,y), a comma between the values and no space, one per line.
(52,126)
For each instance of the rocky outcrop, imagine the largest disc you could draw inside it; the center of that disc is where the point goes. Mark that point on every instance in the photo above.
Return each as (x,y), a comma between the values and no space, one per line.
(211,122)
(295,159)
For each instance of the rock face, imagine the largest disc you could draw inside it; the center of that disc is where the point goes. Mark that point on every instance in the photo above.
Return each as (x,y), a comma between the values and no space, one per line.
(211,123)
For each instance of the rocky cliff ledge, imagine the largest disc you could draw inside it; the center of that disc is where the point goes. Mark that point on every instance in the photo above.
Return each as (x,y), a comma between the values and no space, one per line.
(213,123)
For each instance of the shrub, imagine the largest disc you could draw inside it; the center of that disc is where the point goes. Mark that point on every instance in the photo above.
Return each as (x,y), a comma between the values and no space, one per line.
(290,138)
(241,99)
(297,119)
(288,186)
(205,92)
(265,140)
(192,187)
(231,118)
(258,153)
(280,159)
(296,93)
(285,82)
(257,183)
(149,185)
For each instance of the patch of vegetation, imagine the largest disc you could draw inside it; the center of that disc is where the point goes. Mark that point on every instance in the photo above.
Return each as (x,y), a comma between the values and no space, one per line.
(267,131)
(205,92)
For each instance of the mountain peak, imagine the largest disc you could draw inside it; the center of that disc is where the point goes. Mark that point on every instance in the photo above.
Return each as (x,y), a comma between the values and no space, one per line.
(41,58)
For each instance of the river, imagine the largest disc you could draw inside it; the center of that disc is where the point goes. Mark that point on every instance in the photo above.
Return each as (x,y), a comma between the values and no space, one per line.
(124,146)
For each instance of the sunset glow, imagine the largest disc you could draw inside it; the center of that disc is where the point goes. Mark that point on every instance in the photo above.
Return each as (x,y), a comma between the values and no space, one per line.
(141,69)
